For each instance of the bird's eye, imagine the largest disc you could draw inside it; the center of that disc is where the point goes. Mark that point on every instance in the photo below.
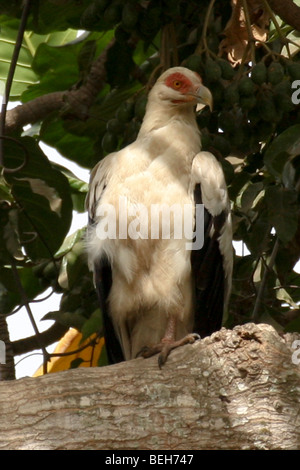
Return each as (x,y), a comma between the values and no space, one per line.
(177,84)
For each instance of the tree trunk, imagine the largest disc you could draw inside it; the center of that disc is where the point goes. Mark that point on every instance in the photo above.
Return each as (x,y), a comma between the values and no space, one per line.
(237,389)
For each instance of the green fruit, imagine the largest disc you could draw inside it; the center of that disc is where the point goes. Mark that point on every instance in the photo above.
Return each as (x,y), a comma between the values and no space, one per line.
(283,102)
(205,141)
(231,94)
(140,107)
(150,21)
(109,142)
(194,62)
(121,35)
(237,137)
(267,109)
(89,17)
(264,130)
(203,118)
(253,116)
(226,121)
(284,87)
(39,269)
(131,133)
(213,71)
(114,126)
(221,144)
(275,73)
(217,90)
(259,74)
(227,70)
(113,14)
(130,16)
(247,102)
(246,86)
(125,112)
(50,271)
(294,70)
(101,5)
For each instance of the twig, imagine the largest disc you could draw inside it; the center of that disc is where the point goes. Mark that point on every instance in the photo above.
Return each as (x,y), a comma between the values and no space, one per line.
(251,39)
(11,73)
(26,304)
(282,38)
(204,31)
(263,281)
(92,342)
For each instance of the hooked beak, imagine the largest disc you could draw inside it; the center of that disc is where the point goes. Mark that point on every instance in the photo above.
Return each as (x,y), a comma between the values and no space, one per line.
(204,98)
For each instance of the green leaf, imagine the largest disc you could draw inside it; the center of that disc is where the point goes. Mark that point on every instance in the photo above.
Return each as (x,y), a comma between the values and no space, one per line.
(10,296)
(76,363)
(57,16)
(71,319)
(283,211)
(77,148)
(25,75)
(43,195)
(286,145)
(69,242)
(251,196)
(92,325)
(60,68)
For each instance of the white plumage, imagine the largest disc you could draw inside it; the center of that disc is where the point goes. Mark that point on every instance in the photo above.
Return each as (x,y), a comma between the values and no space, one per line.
(149,289)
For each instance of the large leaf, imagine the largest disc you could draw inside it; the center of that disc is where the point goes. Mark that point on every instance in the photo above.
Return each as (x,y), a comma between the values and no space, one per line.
(286,145)
(48,16)
(24,74)
(43,195)
(10,295)
(60,68)
(283,211)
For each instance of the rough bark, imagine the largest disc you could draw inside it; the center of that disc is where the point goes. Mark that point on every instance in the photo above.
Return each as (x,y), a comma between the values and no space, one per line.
(237,389)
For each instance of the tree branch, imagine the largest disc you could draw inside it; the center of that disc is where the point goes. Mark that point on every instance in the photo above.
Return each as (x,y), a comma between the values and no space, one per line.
(236,389)
(25,345)
(288,11)
(78,99)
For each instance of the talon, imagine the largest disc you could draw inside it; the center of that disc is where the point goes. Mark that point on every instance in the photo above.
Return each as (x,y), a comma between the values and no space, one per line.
(193,337)
(165,347)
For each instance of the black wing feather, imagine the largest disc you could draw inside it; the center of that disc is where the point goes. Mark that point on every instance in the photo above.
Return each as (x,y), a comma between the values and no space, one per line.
(209,277)
(103,281)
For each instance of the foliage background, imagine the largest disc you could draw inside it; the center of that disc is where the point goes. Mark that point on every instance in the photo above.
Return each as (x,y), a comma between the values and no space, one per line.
(84,94)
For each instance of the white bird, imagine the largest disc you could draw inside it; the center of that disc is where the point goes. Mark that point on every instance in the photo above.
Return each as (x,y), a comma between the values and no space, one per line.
(155,292)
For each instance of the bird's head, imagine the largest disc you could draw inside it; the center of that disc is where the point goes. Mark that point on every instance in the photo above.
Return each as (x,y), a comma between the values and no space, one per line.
(180,86)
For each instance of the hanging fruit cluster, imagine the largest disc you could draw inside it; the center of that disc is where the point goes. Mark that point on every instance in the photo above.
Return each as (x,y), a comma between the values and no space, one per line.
(122,129)
(249,104)
(142,18)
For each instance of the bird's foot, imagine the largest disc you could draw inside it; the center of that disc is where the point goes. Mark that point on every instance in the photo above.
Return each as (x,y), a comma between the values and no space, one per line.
(165,347)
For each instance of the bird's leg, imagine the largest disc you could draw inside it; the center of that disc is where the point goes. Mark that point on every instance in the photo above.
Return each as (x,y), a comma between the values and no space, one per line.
(168,343)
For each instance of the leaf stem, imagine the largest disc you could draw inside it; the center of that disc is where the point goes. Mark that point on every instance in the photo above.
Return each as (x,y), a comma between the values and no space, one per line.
(26,304)
(269,267)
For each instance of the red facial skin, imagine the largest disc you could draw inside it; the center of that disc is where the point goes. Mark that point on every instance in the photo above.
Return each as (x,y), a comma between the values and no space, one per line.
(179,82)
